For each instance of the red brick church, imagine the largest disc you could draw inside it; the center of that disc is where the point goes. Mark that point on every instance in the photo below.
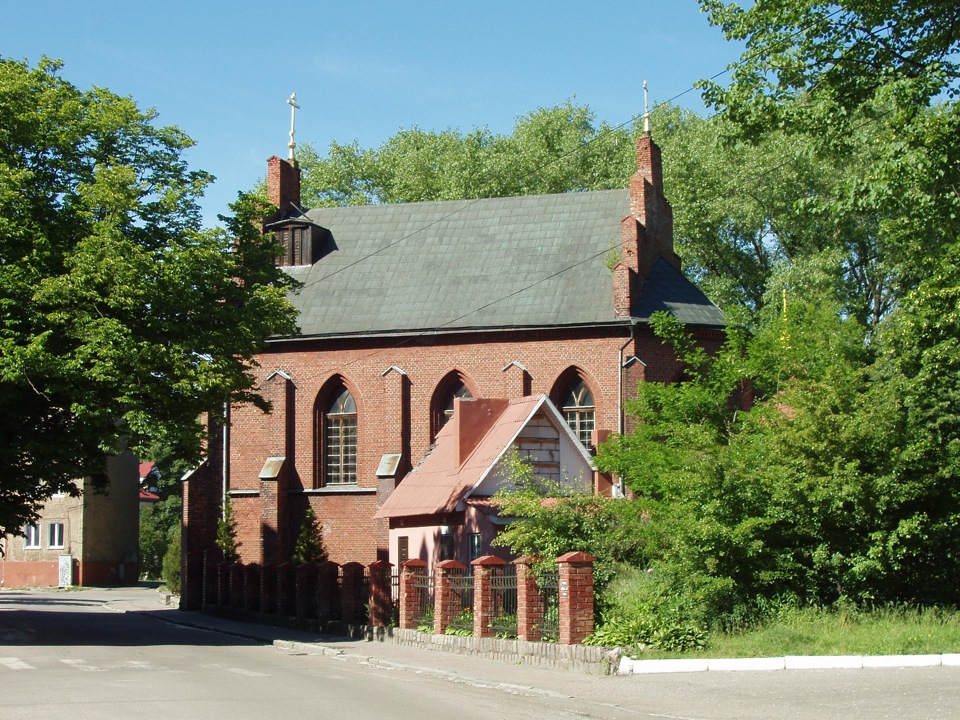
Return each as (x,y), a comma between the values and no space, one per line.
(532,312)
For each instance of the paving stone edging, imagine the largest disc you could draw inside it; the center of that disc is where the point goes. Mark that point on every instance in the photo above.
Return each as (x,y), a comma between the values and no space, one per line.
(629,666)
(583,658)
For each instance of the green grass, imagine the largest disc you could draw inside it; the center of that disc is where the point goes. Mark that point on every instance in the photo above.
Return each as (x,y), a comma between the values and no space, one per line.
(813,631)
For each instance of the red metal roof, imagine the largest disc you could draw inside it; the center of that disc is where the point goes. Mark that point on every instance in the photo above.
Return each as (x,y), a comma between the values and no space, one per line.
(147,496)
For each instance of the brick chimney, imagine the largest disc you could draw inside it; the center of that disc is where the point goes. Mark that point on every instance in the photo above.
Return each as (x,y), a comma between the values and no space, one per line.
(283,186)
(647,232)
(472,420)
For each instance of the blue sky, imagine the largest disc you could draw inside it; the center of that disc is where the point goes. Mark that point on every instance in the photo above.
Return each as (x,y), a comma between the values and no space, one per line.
(222,71)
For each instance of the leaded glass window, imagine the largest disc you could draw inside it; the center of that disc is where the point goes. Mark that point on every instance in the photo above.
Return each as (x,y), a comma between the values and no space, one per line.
(579,411)
(340,440)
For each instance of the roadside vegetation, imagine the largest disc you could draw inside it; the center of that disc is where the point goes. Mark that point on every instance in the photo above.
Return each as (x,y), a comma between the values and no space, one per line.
(842,630)
(799,490)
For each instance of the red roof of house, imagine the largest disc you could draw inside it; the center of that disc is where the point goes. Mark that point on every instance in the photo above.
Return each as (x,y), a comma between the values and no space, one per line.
(467,449)
(145,468)
(147,496)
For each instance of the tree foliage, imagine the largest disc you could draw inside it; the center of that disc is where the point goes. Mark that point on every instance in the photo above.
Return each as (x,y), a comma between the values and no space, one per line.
(171,571)
(551,150)
(553,518)
(309,547)
(122,321)
(870,84)
(227,534)
(158,525)
(849,51)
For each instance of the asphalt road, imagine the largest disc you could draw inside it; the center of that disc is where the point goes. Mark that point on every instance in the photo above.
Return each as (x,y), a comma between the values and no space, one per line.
(117,654)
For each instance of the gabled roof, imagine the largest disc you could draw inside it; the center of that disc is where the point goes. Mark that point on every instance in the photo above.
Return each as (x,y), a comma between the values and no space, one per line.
(530,261)
(443,479)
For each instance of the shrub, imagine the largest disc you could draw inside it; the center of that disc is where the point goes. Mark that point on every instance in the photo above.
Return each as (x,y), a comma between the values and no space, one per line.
(171,563)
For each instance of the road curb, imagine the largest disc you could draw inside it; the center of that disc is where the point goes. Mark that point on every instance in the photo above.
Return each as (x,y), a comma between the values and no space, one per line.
(629,666)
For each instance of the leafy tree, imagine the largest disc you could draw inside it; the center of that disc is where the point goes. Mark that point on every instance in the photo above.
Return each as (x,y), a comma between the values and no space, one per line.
(554,518)
(171,563)
(227,534)
(551,150)
(158,524)
(745,207)
(878,77)
(309,547)
(122,321)
(847,53)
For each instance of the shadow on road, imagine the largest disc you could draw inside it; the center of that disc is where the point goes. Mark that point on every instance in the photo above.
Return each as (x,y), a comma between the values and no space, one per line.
(61,624)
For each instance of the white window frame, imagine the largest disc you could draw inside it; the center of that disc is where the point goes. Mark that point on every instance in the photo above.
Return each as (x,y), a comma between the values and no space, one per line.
(31,536)
(55,536)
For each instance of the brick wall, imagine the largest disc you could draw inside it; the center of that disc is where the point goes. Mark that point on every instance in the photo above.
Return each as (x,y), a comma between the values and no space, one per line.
(393,388)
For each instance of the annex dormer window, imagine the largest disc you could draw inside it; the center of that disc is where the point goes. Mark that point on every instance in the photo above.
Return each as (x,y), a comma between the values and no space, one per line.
(297,244)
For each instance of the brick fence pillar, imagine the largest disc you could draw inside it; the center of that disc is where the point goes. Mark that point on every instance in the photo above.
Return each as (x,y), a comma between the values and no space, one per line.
(328,592)
(484,598)
(353,595)
(268,589)
(236,585)
(576,597)
(411,604)
(210,587)
(381,603)
(529,602)
(447,602)
(223,584)
(191,581)
(251,587)
(305,584)
(286,593)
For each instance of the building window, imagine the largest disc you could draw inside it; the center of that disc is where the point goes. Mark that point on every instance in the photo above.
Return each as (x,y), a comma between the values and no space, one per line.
(446,543)
(31,536)
(579,411)
(476,546)
(340,440)
(55,537)
(295,240)
(403,549)
(443,400)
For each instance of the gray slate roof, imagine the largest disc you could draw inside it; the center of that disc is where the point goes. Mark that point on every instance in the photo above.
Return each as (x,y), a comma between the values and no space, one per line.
(530,261)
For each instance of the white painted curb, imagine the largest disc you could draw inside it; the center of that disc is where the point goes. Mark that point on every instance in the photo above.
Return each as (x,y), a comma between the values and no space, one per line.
(823,662)
(731,664)
(889,661)
(629,666)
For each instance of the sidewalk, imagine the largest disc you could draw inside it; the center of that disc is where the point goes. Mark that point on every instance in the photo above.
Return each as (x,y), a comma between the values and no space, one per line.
(471,669)
(495,673)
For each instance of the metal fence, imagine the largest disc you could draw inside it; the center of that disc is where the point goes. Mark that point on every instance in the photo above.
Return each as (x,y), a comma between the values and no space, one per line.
(549,617)
(423,601)
(504,586)
(462,588)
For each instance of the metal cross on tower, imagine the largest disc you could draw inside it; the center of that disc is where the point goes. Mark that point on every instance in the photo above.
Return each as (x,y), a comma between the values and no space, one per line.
(292,102)
(646,110)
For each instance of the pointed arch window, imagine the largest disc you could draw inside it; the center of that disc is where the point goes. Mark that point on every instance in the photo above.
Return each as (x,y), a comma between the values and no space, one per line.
(578,410)
(458,391)
(340,439)
(443,402)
